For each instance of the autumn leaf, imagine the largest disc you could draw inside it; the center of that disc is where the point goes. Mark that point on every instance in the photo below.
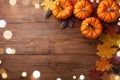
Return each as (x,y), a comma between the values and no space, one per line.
(105,50)
(111,30)
(114,40)
(95,74)
(103,65)
(47,4)
(115,60)
(106,76)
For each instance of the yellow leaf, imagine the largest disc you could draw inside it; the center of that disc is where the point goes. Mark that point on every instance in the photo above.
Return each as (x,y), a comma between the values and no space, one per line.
(105,50)
(114,41)
(47,4)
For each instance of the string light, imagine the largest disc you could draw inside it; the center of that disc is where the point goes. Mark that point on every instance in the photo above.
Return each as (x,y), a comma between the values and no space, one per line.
(7,34)
(118,23)
(2,23)
(118,53)
(74,77)
(58,79)
(24,74)
(4,75)
(82,77)
(10,51)
(37,5)
(36,74)
(12,2)
(97,1)
(117,77)
(91,0)
(0,61)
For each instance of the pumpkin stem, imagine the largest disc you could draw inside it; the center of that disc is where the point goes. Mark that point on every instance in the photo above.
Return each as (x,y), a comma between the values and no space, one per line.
(84,9)
(110,9)
(90,26)
(61,7)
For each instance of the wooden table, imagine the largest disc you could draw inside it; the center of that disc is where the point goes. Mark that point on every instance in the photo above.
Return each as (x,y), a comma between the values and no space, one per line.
(41,45)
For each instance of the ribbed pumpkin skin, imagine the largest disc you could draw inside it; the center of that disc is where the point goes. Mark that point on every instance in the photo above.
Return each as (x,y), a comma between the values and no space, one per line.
(87,31)
(82,9)
(62,13)
(108,10)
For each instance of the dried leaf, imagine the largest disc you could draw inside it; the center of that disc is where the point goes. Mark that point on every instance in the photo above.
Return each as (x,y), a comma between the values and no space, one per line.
(95,74)
(111,30)
(114,41)
(103,65)
(47,4)
(48,13)
(71,23)
(64,24)
(105,50)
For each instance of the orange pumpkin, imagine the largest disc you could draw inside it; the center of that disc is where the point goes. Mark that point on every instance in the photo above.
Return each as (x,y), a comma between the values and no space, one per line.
(91,28)
(108,10)
(82,9)
(62,9)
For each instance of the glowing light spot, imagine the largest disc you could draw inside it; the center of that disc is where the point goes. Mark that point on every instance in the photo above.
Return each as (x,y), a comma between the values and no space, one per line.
(82,77)
(0,61)
(118,23)
(2,23)
(12,2)
(10,51)
(91,0)
(74,77)
(7,34)
(37,5)
(36,74)
(117,77)
(58,79)
(118,53)
(4,75)
(24,74)
(97,1)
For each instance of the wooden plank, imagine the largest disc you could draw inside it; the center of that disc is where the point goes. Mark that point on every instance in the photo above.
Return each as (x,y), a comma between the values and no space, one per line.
(51,66)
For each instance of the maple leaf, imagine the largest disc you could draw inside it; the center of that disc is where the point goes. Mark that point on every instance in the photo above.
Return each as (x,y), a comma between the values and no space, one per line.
(103,65)
(47,4)
(113,40)
(105,50)
(111,30)
(95,74)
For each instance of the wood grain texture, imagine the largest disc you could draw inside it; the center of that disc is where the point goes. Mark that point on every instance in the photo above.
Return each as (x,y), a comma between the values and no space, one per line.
(40,44)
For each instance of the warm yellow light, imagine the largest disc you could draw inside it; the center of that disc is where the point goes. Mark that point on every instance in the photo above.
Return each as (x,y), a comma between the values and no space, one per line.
(118,23)
(91,0)
(118,53)
(82,77)
(117,77)
(2,23)
(0,61)
(12,2)
(74,77)
(58,79)
(36,74)
(1,51)
(24,74)
(37,5)
(10,51)
(4,75)
(7,34)
(97,1)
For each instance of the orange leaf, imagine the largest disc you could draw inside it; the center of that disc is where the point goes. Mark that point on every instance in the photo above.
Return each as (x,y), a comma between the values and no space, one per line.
(105,50)
(103,64)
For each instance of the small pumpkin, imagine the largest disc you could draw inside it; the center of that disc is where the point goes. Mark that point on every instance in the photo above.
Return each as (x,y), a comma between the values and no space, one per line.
(62,9)
(108,10)
(91,28)
(82,9)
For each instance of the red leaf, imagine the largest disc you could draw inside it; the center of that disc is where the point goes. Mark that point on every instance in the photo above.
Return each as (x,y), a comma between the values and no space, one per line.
(95,74)
(111,30)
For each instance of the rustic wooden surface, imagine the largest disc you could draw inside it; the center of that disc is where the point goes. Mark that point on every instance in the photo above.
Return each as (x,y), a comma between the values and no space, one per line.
(40,44)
